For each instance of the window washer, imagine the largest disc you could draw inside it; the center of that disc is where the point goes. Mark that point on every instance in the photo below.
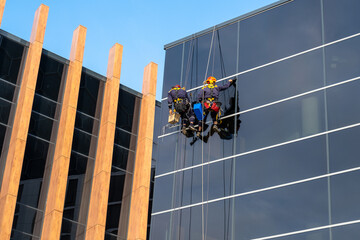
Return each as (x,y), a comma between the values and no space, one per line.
(208,96)
(179,97)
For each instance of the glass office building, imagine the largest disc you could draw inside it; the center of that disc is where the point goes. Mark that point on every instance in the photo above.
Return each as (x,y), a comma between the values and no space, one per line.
(29,212)
(287,162)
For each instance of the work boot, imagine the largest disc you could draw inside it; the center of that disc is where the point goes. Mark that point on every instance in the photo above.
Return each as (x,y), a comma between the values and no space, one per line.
(192,128)
(216,128)
(183,130)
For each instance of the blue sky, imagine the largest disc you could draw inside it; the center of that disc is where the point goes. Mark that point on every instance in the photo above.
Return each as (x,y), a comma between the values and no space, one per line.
(142,27)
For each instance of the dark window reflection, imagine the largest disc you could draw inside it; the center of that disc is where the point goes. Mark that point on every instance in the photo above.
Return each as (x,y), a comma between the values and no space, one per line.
(49,77)
(25,221)
(282,210)
(81,142)
(163,193)
(5,108)
(34,159)
(40,126)
(281,80)
(77,164)
(281,122)
(218,219)
(125,112)
(121,157)
(70,199)
(160,227)
(342,60)
(343,105)
(267,36)
(84,122)
(44,106)
(117,181)
(10,59)
(172,71)
(112,218)
(344,149)
(341,19)
(88,94)
(6,90)
(122,138)
(280,165)
(345,197)
(70,229)
(165,162)
(348,232)
(2,135)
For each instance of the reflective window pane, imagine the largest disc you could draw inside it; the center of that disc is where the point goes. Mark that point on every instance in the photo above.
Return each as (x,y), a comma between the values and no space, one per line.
(6,90)
(81,142)
(281,122)
(44,106)
(10,59)
(282,210)
(49,77)
(88,93)
(160,226)
(344,149)
(341,19)
(163,193)
(345,197)
(288,163)
(172,73)
(267,36)
(41,126)
(343,105)
(84,122)
(5,108)
(342,61)
(128,111)
(281,80)
(25,219)
(348,232)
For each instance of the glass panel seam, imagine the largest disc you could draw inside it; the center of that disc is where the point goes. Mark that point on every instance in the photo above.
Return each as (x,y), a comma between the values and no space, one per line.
(7,82)
(261,149)
(5,100)
(82,155)
(39,138)
(48,99)
(309,230)
(279,101)
(260,190)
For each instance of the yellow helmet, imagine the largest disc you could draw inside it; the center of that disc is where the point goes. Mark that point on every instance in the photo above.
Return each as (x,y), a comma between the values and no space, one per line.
(210,80)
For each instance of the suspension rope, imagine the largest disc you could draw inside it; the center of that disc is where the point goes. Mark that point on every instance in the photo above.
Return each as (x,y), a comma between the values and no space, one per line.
(202,144)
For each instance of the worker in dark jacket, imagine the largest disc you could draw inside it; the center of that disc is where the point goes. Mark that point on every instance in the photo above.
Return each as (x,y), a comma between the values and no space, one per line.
(208,96)
(179,97)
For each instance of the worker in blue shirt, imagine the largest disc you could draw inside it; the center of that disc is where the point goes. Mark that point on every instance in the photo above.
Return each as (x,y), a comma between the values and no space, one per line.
(179,97)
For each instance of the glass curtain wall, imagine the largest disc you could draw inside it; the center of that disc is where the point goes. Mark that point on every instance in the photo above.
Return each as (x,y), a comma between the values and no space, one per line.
(285,163)
(11,55)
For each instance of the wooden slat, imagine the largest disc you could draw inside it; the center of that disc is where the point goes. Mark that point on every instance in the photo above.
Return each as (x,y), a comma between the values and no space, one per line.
(54,195)
(137,228)
(2,6)
(100,181)
(15,154)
